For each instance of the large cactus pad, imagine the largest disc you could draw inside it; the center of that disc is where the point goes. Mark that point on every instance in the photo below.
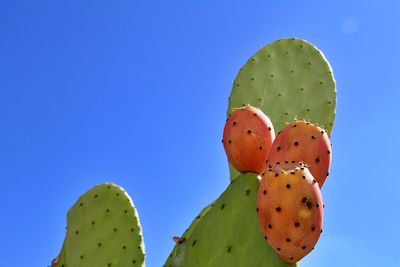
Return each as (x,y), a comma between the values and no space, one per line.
(229,234)
(288,79)
(103,230)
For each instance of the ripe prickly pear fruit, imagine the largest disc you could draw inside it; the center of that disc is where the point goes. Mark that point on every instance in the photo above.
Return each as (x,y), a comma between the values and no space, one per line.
(301,141)
(290,212)
(248,136)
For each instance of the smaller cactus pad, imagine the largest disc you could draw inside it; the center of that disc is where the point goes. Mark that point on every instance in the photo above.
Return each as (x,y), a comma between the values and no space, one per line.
(229,234)
(288,79)
(103,229)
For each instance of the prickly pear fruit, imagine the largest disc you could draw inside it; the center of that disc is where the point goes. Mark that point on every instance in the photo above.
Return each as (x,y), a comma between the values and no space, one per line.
(248,136)
(301,141)
(290,212)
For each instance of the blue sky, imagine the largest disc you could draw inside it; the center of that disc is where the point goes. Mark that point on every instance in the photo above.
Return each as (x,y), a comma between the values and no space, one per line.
(135,92)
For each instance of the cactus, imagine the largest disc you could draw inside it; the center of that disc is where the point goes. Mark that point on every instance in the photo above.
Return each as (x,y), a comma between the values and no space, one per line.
(305,142)
(274,224)
(248,136)
(288,79)
(229,234)
(290,211)
(103,229)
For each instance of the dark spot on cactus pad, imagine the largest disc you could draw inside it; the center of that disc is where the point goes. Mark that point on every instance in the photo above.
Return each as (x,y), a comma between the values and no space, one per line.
(95,196)
(329,152)
(77,232)
(304,199)
(255,114)
(266,238)
(301,89)
(276,174)
(317,205)
(291,258)
(304,177)
(263,174)
(296,224)
(269,128)
(229,249)
(323,205)
(288,186)
(257,210)
(222,206)
(99,244)
(247,192)
(109,264)
(322,132)
(132,230)
(314,181)
(252,78)
(279,249)
(312,137)
(286,113)
(109,187)
(93,222)
(313,228)
(286,161)
(271,75)
(317,160)
(288,240)
(194,243)
(320,231)
(269,226)
(260,147)
(278,209)
(81,257)
(296,143)
(125,211)
(303,247)
(115,229)
(123,247)
(264,191)
(107,210)
(117,194)
(135,261)
(234,123)
(293,161)
(278,163)
(80,204)
(321,82)
(292,172)
(222,140)
(229,141)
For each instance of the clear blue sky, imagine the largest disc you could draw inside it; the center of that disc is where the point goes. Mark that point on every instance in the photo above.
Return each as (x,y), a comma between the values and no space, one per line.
(135,92)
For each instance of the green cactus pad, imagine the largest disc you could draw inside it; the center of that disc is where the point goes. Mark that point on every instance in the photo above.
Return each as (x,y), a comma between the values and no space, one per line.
(288,79)
(229,234)
(103,229)
(188,232)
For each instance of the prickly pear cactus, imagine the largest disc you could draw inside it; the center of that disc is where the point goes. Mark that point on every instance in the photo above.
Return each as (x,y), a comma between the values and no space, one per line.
(229,233)
(287,79)
(103,229)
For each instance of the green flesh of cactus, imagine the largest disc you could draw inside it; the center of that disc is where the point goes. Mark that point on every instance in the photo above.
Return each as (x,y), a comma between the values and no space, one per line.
(229,234)
(187,233)
(288,79)
(103,229)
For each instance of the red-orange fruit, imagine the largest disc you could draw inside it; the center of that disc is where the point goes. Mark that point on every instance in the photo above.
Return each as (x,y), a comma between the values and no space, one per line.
(247,139)
(301,141)
(290,212)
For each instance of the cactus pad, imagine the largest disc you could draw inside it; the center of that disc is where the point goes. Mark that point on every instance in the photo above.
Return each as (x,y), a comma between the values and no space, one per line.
(229,234)
(103,229)
(288,79)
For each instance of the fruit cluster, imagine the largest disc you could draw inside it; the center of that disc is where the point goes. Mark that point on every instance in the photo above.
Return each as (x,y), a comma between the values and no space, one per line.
(294,166)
